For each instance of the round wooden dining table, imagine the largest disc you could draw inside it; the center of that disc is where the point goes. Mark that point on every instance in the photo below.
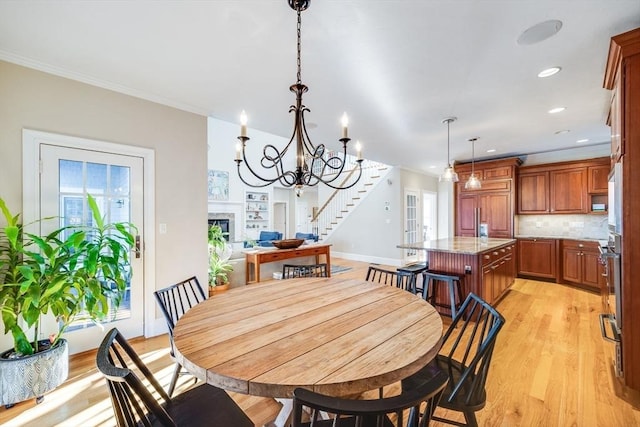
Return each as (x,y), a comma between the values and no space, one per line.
(330,335)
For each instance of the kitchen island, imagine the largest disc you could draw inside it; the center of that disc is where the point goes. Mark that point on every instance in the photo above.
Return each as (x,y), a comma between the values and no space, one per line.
(486,266)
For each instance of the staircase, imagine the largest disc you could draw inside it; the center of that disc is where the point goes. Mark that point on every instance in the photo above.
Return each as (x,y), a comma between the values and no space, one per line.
(342,202)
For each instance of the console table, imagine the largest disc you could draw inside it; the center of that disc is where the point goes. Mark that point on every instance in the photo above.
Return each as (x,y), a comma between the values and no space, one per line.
(262,256)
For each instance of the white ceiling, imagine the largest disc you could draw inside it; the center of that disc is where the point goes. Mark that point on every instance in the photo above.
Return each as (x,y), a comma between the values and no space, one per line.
(397,67)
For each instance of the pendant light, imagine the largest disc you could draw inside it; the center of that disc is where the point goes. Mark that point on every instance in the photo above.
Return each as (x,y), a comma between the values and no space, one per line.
(449,174)
(473,183)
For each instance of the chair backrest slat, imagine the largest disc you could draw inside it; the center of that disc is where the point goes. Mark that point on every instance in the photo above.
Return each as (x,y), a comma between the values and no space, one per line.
(474,332)
(371,412)
(176,300)
(133,402)
(290,271)
(399,279)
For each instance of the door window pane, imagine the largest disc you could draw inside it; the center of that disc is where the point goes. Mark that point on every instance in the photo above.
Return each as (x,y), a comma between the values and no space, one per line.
(96,178)
(119,209)
(71,180)
(119,180)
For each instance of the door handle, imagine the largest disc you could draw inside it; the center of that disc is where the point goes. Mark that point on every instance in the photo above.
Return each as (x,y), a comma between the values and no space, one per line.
(137,248)
(603,329)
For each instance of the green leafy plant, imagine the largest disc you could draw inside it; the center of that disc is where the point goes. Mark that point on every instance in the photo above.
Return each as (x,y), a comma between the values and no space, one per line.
(75,273)
(219,253)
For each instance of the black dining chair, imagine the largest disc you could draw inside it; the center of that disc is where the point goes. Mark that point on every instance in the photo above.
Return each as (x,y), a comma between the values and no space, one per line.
(174,301)
(466,356)
(134,403)
(389,411)
(399,279)
(290,271)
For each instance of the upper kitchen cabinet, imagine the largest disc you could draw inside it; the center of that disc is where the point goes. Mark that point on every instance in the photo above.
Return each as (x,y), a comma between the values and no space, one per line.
(567,191)
(533,192)
(493,204)
(598,178)
(578,187)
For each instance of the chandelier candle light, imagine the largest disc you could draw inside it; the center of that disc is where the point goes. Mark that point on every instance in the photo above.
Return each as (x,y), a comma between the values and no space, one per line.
(314,164)
(449,174)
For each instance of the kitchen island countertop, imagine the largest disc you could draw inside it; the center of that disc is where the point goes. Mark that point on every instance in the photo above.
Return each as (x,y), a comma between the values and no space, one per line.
(459,245)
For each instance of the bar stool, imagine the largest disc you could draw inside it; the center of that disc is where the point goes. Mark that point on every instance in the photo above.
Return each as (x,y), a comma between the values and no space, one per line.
(414,270)
(430,281)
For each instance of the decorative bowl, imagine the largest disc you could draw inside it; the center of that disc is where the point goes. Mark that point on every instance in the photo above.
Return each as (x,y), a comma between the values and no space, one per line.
(287,243)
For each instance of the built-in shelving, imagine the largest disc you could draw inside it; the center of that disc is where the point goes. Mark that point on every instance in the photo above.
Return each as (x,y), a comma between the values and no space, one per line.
(257,213)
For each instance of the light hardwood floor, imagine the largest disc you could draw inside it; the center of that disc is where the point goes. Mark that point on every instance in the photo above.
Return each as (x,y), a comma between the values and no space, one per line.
(551,367)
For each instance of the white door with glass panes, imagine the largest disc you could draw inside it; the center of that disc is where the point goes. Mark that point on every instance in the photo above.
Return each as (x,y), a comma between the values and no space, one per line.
(116,182)
(429,215)
(411,223)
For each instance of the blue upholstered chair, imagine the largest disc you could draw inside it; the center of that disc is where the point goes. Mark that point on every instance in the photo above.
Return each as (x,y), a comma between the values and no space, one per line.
(307,236)
(266,237)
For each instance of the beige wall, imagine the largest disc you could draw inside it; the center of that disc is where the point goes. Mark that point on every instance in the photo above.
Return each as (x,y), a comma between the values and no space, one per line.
(36,100)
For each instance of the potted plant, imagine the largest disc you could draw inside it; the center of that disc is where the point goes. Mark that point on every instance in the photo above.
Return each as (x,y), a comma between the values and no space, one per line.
(73,273)
(219,254)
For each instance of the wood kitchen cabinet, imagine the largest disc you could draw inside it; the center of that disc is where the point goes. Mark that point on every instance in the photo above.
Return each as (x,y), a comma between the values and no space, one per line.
(598,179)
(533,197)
(498,271)
(538,258)
(493,209)
(581,264)
(486,267)
(567,191)
(493,204)
(563,188)
(616,119)
(622,77)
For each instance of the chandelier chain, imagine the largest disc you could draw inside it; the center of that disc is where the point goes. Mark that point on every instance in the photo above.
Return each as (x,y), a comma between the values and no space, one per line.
(299,62)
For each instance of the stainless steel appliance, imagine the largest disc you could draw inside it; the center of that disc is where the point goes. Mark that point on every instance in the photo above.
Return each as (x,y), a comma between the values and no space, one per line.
(612,318)
(483,230)
(615,199)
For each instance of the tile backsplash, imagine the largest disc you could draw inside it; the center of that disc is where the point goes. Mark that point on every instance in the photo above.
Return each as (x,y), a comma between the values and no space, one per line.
(570,226)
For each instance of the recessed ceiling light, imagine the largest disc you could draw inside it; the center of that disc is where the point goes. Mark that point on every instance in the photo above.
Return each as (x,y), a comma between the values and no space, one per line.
(491,150)
(539,32)
(549,72)
(580,141)
(557,110)
(559,132)
(432,167)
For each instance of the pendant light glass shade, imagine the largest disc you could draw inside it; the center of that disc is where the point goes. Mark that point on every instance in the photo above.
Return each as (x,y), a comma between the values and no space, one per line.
(449,174)
(473,183)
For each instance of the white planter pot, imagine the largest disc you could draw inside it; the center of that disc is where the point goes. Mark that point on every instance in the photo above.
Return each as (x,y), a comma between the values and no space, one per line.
(33,376)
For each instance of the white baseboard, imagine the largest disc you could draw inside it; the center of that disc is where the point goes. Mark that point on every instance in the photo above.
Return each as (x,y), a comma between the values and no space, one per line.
(157,327)
(396,262)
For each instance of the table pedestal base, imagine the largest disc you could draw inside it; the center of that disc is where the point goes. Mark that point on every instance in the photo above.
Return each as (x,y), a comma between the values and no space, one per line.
(284,416)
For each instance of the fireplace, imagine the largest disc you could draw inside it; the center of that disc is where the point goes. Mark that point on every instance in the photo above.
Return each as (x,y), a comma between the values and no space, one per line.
(226,221)
(224,225)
